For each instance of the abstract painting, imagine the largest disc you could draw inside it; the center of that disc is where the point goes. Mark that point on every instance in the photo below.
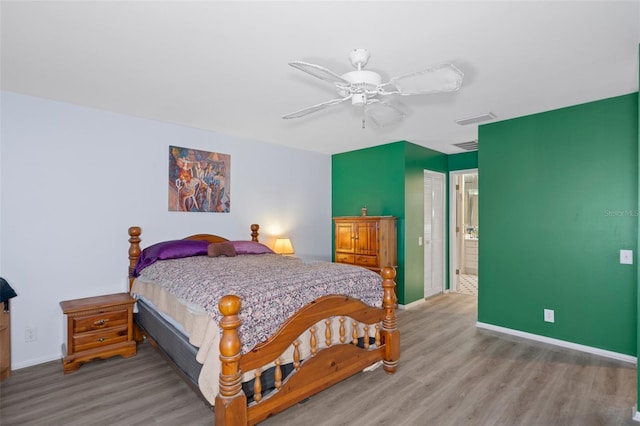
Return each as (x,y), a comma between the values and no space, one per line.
(199,181)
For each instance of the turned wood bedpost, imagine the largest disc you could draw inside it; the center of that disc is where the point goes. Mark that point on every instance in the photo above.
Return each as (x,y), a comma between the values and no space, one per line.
(231,402)
(134,250)
(254,231)
(389,330)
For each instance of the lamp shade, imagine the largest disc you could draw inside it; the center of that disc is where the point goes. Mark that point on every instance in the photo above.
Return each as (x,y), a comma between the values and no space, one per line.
(283,246)
(6,293)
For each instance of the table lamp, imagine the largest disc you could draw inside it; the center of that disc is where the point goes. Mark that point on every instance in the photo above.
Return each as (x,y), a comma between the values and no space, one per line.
(283,246)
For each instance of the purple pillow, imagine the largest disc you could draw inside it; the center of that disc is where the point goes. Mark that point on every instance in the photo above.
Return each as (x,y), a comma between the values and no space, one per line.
(250,247)
(170,250)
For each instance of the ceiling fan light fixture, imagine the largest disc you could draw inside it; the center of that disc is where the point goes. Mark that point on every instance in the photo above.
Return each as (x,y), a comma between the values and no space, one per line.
(365,87)
(360,81)
(359,99)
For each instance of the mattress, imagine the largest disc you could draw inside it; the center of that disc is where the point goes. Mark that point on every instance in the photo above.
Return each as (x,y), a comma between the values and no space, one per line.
(174,342)
(188,289)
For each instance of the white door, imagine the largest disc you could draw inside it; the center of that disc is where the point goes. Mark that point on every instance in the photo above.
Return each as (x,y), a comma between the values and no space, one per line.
(455,228)
(434,233)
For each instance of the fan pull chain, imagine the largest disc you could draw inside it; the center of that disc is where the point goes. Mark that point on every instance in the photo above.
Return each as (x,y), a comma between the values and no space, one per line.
(364,103)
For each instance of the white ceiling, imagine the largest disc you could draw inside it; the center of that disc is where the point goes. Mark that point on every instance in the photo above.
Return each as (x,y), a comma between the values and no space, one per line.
(222,65)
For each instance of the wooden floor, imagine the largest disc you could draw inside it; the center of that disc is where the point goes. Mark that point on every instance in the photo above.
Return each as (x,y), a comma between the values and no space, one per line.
(450,374)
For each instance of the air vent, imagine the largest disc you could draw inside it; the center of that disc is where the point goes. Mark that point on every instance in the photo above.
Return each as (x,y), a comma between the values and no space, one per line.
(476,119)
(469,146)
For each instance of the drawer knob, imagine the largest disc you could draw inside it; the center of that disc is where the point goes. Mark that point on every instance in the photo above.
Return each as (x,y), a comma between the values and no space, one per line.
(100,322)
(101,339)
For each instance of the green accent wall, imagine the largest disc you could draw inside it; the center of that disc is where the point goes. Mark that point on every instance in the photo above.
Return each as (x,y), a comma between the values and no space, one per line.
(388,179)
(463,161)
(417,160)
(559,201)
(372,177)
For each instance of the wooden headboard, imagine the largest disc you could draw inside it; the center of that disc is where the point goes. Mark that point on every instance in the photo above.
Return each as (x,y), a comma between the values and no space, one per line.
(135,251)
(207,237)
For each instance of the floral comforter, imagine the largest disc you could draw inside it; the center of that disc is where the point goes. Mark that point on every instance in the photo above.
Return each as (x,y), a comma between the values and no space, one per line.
(272,287)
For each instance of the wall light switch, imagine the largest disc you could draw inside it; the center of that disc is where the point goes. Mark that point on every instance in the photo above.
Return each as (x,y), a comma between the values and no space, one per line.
(626,257)
(419,241)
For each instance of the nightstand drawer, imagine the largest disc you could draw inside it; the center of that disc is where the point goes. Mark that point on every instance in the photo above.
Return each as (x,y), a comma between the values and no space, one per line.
(100,321)
(82,342)
(344,258)
(367,260)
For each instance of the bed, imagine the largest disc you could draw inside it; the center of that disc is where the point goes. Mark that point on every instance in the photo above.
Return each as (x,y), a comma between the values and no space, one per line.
(252,337)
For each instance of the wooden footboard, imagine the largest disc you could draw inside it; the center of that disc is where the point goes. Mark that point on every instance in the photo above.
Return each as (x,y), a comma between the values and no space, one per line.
(325,367)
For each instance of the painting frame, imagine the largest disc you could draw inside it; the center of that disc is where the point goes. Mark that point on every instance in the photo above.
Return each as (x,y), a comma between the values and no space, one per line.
(199,181)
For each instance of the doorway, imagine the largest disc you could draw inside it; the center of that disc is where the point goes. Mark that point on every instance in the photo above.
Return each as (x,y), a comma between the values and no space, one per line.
(464,231)
(434,233)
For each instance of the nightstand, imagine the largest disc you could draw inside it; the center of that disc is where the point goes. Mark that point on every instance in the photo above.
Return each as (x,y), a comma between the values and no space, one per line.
(5,343)
(98,327)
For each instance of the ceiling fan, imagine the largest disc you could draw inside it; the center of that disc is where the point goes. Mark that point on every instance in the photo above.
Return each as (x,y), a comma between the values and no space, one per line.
(365,88)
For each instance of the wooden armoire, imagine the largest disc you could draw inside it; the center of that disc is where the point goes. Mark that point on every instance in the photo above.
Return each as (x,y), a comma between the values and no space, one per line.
(367,241)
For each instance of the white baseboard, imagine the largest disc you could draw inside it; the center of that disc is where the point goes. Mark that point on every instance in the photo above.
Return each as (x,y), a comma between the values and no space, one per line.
(562,343)
(35,361)
(413,304)
(636,414)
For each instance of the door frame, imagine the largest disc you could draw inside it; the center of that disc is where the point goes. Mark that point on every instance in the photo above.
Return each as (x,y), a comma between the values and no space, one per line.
(454,249)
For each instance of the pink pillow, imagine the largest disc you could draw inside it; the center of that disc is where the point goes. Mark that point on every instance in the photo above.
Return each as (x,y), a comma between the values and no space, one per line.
(250,247)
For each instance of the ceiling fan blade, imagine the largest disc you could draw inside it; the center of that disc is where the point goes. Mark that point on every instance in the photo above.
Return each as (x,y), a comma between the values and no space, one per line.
(314,108)
(319,72)
(383,114)
(441,78)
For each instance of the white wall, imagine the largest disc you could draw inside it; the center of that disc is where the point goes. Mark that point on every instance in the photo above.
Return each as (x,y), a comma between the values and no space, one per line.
(74,179)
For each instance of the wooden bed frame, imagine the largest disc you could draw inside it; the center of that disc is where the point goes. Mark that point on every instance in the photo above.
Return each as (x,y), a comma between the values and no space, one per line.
(324,368)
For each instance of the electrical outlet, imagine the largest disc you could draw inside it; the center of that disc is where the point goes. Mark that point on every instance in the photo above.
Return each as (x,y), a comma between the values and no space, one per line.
(626,257)
(30,334)
(549,315)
